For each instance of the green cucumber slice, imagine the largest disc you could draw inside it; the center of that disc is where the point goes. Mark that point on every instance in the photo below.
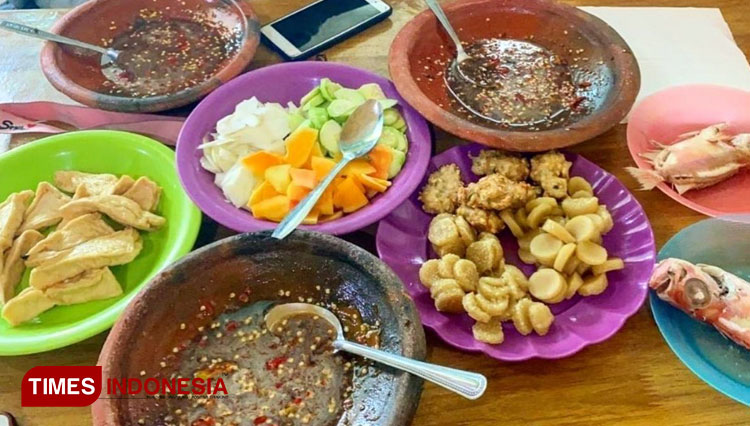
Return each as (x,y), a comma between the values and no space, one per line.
(350,95)
(318,116)
(399,158)
(311,94)
(313,102)
(390,137)
(388,103)
(328,88)
(371,91)
(400,125)
(339,108)
(330,134)
(295,119)
(390,116)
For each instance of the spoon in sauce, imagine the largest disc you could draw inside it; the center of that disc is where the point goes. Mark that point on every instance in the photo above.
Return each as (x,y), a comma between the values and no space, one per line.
(358,137)
(108,55)
(467,384)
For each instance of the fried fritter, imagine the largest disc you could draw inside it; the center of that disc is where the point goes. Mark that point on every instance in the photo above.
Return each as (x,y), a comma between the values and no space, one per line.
(496,192)
(482,220)
(512,166)
(551,170)
(440,193)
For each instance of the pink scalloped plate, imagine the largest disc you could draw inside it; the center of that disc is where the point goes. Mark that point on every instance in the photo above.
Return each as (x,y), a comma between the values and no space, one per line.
(671,112)
(402,244)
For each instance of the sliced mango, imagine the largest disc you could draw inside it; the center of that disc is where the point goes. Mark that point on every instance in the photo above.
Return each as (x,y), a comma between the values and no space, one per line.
(381,158)
(258,162)
(303,177)
(325,202)
(373,183)
(278,177)
(331,217)
(321,166)
(274,208)
(358,167)
(348,196)
(299,146)
(262,192)
(296,192)
(311,218)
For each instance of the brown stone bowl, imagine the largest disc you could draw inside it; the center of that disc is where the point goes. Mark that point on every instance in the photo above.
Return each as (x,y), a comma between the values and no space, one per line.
(607,60)
(260,265)
(77,73)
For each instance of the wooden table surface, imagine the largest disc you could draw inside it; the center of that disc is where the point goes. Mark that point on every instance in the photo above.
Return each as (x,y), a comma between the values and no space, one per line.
(631,379)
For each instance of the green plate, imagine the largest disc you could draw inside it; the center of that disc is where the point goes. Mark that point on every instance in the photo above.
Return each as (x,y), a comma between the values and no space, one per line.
(99,151)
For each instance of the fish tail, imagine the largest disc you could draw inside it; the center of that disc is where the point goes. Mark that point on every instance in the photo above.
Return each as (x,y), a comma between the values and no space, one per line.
(648,179)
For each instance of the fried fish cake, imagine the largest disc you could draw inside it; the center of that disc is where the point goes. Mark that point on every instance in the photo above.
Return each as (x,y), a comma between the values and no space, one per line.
(512,166)
(496,192)
(439,195)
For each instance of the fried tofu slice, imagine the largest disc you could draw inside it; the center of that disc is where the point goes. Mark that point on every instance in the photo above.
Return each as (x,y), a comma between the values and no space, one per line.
(44,211)
(94,184)
(12,269)
(27,305)
(145,192)
(119,208)
(94,284)
(114,249)
(77,231)
(11,216)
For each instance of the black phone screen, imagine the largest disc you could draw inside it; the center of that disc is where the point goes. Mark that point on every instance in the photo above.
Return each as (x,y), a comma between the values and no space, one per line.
(323,21)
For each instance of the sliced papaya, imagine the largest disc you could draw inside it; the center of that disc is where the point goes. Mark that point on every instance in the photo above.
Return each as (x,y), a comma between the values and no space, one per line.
(348,196)
(296,192)
(299,146)
(274,208)
(278,177)
(325,202)
(258,162)
(262,192)
(359,166)
(321,166)
(381,158)
(303,177)
(373,183)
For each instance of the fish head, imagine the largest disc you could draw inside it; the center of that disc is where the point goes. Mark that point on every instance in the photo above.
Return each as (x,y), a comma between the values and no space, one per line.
(685,285)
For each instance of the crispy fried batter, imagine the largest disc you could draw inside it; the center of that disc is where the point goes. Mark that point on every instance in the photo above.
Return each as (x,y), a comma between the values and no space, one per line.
(496,192)
(439,195)
(512,166)
(551,171)
(482,220)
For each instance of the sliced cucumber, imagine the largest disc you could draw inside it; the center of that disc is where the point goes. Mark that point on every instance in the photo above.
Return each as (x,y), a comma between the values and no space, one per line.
(390,116)
(350,95)
(388,103)
(399,158)
(371,91)
(330,134)
(311,94)
(295,119)
(328,88)
(400,125)
(318,116)
(393,138)
(341,108)
(313,102)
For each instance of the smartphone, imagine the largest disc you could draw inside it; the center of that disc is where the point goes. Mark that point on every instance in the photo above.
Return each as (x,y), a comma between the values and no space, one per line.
(322,24)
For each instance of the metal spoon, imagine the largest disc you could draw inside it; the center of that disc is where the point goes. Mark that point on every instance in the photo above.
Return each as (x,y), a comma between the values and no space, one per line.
(359,135)
(108,55)
(467,384)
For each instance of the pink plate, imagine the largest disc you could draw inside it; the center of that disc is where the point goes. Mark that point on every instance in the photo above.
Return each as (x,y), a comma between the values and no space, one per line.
(402,244)
(677,110)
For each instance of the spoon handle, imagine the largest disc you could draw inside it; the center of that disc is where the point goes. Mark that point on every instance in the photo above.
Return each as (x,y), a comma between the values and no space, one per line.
(467,384)
(438,11)
(44,35)
(298,214)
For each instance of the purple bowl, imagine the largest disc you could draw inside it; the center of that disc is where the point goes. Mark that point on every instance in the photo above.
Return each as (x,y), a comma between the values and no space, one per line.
(284,83)
(581,321)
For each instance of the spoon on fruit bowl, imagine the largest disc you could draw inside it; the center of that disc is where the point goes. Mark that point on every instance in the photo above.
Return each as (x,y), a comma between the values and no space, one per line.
(358,137)
(465,383)
(109,56)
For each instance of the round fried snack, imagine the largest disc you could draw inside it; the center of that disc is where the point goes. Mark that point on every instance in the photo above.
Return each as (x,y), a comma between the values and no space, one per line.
(572,265)
(445,266)
(485,253)
(494,307)
(547,285)
(442,231)
(443,285)
(612,264)
(579,206)
(574,283)
(544,247)
(582,228)
(540,200)
(507,217)
(607,218)
(492,288)
(456,247)
(558,230)
(496,246)
(520,316)
(514,275)
(563,256)
(428,272)
(491,332)
(593,285)
(591,253)
(450,301)
(521,217)
(471,306)
(465,273)
(525,241)
(582,267)
(597,220)
(465,231)
(526,257)
(538,214)
(577,184)
(541,317)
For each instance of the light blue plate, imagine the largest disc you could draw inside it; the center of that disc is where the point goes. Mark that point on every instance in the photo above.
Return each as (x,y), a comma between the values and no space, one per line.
(715,359)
